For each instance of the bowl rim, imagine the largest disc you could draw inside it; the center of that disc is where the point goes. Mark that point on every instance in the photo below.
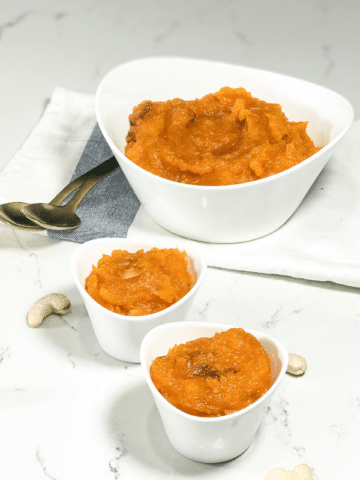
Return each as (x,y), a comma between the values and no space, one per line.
(245,185)
(221,327)
(75,259)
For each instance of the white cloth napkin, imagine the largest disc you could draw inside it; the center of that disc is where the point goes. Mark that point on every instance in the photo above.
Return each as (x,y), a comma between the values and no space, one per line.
(319,242)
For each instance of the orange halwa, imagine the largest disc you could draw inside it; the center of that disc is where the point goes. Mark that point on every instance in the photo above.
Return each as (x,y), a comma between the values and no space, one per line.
(140,283)
(224,138)
(211,377)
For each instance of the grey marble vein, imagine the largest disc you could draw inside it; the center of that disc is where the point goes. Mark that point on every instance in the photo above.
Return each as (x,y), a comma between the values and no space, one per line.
(330,62)
(33,255)
(301,451)
(174,24)
(274,319)
(13,23)
(41,463)
(204,310)
(36,259)
(115,463)
(60,15)
(243,38)
(4,353)
(315,476)
(69,355)
(298,310)
(68,324)
(279,416)
(338,430)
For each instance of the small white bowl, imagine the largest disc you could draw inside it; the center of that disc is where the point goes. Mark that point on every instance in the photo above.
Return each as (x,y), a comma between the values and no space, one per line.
(205,439)
(219,214)
(121,335)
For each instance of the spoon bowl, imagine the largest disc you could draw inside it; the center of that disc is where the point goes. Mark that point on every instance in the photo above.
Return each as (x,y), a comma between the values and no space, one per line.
(52,217)
(11,214)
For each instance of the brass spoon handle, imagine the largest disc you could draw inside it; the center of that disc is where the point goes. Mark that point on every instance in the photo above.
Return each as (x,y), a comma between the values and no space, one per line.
(92,178)
(72,186)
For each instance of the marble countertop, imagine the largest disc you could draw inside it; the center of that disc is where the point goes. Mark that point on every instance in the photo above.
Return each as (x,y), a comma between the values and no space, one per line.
(68,411)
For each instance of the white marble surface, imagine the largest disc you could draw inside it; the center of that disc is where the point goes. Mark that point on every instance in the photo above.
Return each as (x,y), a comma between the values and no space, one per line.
(67,410)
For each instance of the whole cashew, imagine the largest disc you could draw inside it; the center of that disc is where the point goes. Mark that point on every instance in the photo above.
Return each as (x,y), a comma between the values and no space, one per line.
(301,472)
(52,303)
(297,365)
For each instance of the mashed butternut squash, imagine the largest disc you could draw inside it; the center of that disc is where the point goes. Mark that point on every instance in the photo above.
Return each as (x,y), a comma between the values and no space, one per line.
(140,283)
(216,376)
(224,138)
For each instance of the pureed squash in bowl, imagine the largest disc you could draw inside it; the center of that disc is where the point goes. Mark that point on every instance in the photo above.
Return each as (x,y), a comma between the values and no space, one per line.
(140,283)
(224,138)
(216,376)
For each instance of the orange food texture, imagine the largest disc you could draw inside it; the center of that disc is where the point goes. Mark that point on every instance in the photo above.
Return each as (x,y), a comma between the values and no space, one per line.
(140,283)
(211,377)
(224,138)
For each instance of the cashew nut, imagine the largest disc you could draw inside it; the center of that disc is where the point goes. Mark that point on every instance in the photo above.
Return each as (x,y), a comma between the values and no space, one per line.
(52,303)
(297,365)
(301,472)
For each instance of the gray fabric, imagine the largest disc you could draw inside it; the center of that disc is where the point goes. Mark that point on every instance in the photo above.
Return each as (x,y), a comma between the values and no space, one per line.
(109,208)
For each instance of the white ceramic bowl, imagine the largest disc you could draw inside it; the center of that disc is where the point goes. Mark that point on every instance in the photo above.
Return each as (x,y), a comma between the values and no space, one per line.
(120,335)
(217,439)
(220,214)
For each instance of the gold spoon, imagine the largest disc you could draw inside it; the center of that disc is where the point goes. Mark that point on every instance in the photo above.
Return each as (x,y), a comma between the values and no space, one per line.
(11,214)
(54,217)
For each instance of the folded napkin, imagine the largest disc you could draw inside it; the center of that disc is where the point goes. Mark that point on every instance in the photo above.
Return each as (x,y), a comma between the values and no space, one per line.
(319,242)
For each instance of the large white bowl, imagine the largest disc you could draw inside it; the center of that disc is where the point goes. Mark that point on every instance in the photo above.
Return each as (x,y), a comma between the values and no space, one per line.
(216,439)
(220,214)
(121,335)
